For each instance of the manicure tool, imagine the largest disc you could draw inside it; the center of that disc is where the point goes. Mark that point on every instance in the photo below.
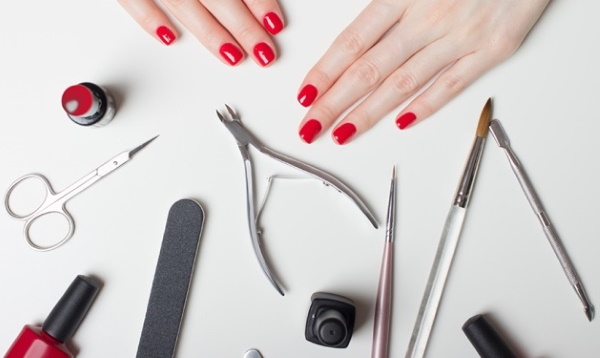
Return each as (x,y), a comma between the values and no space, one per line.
(244,138)
(383,308)
(448,241)
(54,203)
(172,279)
(485,338)
(252,353)
(536,204)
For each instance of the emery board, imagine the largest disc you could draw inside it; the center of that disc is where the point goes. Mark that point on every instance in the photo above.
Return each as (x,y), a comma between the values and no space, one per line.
(172,279)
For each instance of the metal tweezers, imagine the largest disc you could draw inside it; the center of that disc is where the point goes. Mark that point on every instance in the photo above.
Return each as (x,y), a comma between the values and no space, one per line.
(245,138)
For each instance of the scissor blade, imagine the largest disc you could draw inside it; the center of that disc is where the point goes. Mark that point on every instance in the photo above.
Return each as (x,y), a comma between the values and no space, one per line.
(122,158)
(135,150)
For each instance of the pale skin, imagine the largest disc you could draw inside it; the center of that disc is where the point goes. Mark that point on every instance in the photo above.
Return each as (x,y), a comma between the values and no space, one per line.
(390,52)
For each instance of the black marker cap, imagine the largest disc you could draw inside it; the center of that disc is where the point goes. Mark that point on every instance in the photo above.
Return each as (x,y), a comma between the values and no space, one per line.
(71,308)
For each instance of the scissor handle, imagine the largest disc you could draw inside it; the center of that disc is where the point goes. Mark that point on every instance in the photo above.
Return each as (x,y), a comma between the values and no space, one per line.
(49,205)
(59,243)
(48,195)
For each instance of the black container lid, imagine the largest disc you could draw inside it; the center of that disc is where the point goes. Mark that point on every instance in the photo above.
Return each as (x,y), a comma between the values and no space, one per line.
(71,308)
(485,339)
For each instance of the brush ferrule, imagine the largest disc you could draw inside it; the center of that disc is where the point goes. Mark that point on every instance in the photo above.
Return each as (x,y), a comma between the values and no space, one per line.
(465,188)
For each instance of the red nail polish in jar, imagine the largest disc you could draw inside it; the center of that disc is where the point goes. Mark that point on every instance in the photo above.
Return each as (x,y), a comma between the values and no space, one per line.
(48,341)
(88,104)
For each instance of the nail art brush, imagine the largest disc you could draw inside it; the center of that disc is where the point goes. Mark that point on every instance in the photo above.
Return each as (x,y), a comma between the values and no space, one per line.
(383,307)
(448,241)
(539,210)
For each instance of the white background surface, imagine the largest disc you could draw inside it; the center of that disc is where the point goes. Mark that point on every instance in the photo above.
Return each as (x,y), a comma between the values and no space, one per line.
(546,95)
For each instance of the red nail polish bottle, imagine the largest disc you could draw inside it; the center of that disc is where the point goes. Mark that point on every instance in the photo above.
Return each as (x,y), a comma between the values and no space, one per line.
(48,341)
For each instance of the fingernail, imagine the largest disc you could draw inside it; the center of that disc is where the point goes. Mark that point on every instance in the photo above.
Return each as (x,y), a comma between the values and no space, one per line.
(165,35)
(405,120)
(264,53)
(272,23)
(309,130)
(344,132)
(231,53)
(307,95)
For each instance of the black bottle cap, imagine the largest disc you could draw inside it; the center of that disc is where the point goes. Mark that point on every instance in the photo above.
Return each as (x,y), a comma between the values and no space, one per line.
(486,340)
(71,308)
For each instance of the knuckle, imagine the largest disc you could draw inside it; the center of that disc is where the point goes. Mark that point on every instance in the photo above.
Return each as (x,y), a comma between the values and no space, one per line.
(503,44)
(251,3)
(320,77)
(327,110)
(366,72)
(351,42)
(175,3)
(504,47)
(453,83)
(245,34)
(364,116)
(405,82)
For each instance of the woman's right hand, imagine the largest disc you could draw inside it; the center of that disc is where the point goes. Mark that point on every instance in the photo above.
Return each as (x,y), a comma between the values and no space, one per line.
(227,28)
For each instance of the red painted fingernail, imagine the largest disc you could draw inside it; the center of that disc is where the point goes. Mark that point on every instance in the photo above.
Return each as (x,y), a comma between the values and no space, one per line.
(264,53)
(344,132)
(272,23)
(231,53)
(307,95)
(165,35)
(405,120)
(309,130)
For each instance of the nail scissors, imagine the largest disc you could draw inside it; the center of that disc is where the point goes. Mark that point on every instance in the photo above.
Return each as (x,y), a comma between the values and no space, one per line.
(54,203)
(244,138)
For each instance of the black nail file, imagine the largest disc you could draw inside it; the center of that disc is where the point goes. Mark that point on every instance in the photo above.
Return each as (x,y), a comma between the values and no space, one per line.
(172,279)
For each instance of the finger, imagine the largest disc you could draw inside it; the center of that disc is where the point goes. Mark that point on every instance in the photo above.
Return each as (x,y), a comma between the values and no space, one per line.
(268,13)
(198,20)
(399,86)
(365,74)
(238,20)
(449,84)
(151,18)
(370,25)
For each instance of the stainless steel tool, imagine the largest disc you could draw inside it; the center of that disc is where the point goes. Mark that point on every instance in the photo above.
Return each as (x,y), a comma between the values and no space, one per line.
(244,139)
(54,203)
(539,210)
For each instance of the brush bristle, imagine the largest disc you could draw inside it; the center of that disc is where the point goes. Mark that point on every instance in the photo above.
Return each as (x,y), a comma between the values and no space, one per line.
(484,119)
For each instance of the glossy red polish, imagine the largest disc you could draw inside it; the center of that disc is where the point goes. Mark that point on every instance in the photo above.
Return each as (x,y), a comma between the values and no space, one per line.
(48,341)
(272,23)
(231,53)
(405,120)
(344,132)
(307,95)
(264,53)
(165,35)
(309,130)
